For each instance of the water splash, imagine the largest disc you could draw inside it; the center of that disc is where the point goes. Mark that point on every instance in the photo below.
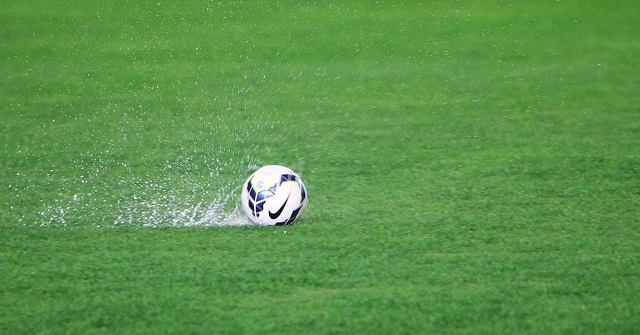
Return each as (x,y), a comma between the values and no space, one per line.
(160,209)
(178,195)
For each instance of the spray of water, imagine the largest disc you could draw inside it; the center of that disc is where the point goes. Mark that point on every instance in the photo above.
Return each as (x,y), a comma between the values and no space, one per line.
(147,208)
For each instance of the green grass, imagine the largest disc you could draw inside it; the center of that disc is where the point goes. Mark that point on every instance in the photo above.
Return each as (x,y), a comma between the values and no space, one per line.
(473,167)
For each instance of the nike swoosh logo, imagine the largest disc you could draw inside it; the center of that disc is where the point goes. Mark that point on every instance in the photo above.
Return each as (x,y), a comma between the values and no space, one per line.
(276,214)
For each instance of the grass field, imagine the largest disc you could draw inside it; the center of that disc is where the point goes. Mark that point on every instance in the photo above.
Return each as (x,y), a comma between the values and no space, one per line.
(473,167)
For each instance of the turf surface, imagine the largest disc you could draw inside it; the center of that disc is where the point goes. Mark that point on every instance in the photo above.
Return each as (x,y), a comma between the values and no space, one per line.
(473,167)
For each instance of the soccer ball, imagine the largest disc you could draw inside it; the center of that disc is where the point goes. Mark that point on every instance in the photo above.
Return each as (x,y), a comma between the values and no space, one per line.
(274,195)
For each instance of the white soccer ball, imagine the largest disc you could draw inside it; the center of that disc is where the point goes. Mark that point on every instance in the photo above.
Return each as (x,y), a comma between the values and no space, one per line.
(274,195)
